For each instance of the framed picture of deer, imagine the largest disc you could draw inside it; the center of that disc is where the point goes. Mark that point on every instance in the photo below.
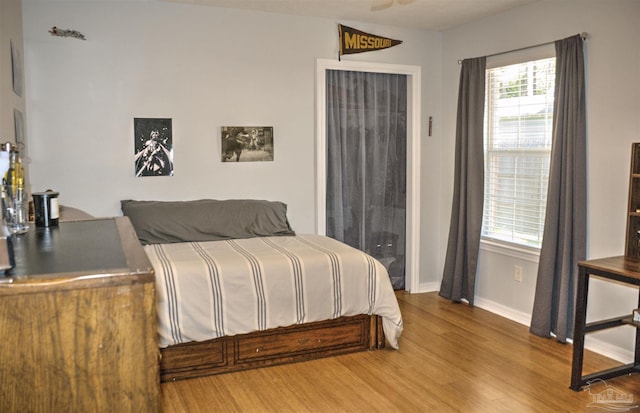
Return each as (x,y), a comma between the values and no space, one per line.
(247,143)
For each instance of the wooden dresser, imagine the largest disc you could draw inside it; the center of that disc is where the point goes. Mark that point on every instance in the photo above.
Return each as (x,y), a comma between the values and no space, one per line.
(78,321)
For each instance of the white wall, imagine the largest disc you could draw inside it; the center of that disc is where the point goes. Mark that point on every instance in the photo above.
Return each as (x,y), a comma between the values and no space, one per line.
(613,104)
(204,68)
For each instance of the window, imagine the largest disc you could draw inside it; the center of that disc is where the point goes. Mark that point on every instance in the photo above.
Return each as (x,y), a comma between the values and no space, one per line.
(519,116)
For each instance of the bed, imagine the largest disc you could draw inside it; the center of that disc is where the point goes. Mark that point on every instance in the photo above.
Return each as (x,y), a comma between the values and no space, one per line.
(238,289)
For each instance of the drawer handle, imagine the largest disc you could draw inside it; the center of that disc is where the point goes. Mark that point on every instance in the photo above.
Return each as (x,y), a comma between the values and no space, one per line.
(303,341)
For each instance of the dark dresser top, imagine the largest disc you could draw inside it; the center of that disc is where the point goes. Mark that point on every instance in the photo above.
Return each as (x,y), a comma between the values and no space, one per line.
(77,246)
(97,248)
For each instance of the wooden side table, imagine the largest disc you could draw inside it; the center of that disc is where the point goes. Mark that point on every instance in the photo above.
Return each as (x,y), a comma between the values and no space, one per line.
(621,269)
(78,321)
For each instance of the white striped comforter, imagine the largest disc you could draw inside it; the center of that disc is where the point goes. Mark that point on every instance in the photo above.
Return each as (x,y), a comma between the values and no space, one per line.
(216,288)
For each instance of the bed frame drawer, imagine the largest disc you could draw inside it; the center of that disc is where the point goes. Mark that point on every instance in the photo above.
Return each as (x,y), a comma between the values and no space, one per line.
(272,347)
(301,340)
(212,353)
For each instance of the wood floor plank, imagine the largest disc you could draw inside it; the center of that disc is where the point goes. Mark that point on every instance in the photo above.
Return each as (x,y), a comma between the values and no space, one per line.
(452,358)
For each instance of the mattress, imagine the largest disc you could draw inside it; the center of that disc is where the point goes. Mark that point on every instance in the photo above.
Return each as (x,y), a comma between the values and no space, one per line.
(211,289)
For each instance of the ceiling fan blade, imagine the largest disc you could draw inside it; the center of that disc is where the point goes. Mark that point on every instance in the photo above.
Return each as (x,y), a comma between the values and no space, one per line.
(378,5)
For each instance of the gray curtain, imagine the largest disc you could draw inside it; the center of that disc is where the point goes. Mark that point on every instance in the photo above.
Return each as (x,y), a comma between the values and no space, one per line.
(564,241)
(458,280)
(366,165)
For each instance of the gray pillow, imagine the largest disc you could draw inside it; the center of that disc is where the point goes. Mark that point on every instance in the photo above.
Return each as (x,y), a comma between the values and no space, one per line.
(163,222)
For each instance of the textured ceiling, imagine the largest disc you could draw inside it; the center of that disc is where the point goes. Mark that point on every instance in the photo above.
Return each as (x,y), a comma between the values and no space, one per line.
(419,14)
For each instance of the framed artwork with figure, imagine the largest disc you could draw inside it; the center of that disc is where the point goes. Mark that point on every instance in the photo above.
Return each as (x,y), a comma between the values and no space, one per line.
(153,147)
(247,143)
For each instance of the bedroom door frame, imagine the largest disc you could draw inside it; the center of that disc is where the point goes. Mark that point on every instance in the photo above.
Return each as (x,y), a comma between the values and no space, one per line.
(413,73)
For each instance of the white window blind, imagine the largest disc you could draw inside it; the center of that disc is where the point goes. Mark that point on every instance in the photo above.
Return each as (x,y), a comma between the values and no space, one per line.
(519,116)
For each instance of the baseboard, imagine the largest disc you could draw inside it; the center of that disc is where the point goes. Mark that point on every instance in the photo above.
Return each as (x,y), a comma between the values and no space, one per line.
(603,348)
(616,353)
(504,311)
(427,288)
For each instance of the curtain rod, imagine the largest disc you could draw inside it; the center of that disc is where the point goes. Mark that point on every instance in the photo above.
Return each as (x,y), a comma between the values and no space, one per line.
(584,36)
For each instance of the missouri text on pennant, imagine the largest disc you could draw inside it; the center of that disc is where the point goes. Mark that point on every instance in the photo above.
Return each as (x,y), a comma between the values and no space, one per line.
(356,41)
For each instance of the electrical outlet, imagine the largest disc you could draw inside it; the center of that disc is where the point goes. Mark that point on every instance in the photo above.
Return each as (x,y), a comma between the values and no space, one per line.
(517,273)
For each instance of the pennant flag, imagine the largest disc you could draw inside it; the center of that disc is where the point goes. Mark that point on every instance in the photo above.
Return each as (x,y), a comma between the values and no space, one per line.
(356,41)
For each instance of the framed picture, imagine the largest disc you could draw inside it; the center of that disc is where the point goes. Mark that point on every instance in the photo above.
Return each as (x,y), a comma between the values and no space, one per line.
(153,147)
(247,143)
(18,125)
(16,69)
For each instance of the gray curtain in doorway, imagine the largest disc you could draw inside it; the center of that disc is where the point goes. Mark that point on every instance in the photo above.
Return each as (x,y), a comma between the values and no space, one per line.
(458,279)
(565,239)
(366,164)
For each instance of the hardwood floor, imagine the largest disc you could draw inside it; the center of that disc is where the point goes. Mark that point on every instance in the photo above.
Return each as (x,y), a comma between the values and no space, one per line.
(452,358)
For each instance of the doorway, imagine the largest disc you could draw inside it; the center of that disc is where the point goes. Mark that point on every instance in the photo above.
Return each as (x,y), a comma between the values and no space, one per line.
(368,162)
(366,165)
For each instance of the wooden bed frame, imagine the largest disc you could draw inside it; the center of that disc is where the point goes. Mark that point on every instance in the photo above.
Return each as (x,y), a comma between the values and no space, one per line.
(272,347)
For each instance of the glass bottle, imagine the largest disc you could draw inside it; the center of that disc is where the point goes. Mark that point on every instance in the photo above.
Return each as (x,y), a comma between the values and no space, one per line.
(15,212)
